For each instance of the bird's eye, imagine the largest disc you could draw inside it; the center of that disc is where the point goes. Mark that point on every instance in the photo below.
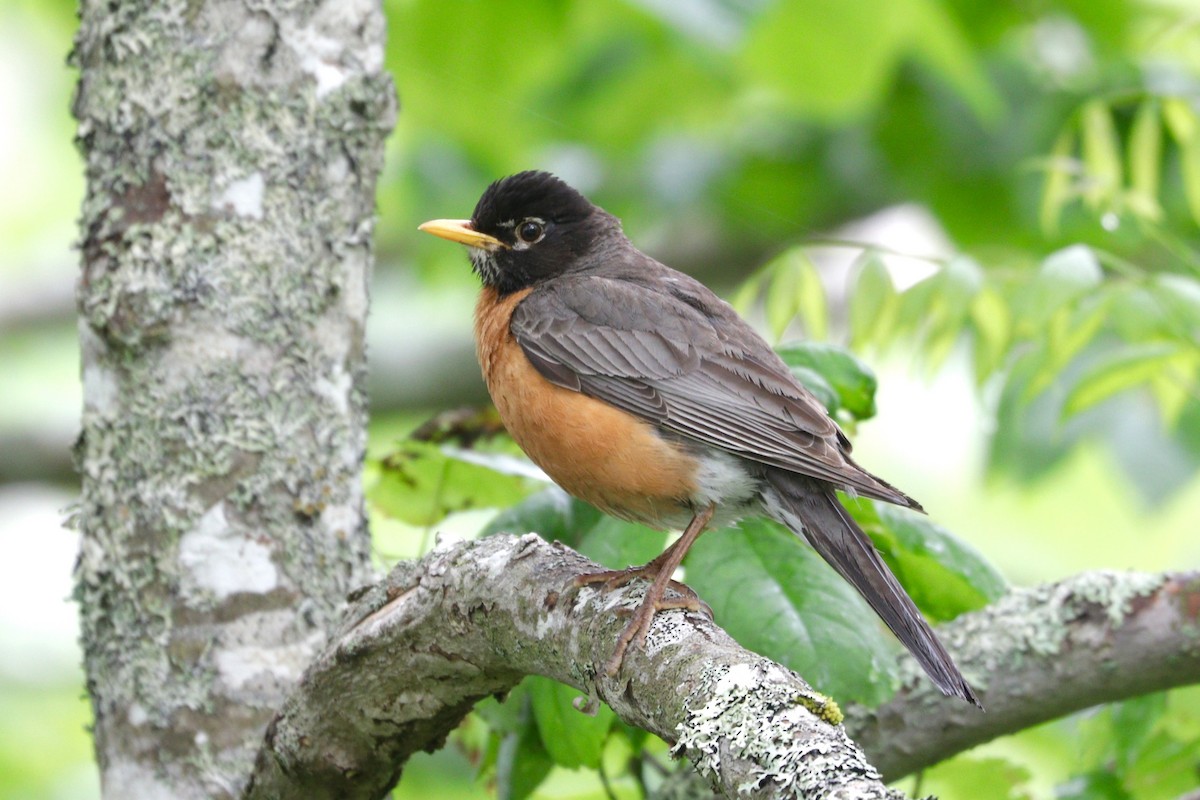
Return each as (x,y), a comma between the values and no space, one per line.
(530,231)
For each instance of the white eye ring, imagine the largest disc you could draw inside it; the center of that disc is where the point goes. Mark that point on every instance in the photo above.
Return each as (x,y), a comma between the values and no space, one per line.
(531,230)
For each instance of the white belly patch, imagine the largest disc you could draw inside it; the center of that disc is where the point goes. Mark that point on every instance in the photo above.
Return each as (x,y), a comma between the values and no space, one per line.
(724,480)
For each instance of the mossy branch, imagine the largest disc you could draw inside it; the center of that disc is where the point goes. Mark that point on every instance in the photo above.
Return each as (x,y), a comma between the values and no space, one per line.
(418,650)
(470,620)
(1038,654)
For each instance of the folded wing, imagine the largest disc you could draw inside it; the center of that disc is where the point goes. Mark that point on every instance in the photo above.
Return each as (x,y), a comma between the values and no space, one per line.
(674,354)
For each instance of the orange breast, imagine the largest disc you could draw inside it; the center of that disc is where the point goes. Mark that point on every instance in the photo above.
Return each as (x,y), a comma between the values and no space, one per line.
(598,453)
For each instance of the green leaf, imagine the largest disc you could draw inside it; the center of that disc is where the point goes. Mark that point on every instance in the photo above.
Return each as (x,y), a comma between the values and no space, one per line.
(1189,163)
(1182,721)
(1095,785)
(1184,126)
(1057,190)
(1071,329)
(506,714)
(944,575)
(1136,312)
(1166,757)
(853,380)
(747,293)
(960,280)
(849,54)
(618,544)
(813,308)
(776,596)
(794,288)
(1145,160)
(1029,440)
(1063,276)
(572,738)
(953,289)
(939,41)
(992,323)
(815,382)
(1132,722)
(912,315)
(552,514)
(1101,155)
(1174,389)
(1179,298)
(522,762)
(978,779)
(873,303)
(1120,370)
(783,295)
(1181,119)
(421,482)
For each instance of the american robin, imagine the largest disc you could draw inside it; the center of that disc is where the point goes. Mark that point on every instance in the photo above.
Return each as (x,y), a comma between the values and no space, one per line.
(641,392)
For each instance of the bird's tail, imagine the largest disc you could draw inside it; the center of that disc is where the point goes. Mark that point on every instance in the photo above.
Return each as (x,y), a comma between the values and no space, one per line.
(811,509)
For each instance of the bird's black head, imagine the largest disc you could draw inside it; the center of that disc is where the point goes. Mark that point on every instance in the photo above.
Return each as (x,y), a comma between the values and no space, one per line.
(529,227)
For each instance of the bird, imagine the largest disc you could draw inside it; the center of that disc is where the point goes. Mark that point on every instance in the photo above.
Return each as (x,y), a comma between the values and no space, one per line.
(638,390)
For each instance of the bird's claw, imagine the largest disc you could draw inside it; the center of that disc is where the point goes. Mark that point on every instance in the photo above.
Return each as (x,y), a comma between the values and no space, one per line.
(642,617)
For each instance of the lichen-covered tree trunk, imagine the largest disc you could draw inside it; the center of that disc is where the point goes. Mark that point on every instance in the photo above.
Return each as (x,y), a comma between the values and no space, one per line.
(231,152)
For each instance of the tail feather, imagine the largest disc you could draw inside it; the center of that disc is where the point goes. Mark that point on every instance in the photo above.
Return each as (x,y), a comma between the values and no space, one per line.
(811,509)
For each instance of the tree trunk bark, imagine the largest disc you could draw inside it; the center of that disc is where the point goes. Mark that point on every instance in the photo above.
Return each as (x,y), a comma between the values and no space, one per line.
(231,152)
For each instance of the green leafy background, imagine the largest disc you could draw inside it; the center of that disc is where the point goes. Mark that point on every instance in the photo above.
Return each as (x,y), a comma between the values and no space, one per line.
(1029,371)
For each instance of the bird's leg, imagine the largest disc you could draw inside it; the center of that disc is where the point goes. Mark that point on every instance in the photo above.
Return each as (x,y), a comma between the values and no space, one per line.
(662,567)
(616,578)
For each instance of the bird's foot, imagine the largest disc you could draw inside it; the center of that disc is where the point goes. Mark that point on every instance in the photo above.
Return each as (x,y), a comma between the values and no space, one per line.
(687,600)
(642,617)
(611,579)
(616,578)
(660,570)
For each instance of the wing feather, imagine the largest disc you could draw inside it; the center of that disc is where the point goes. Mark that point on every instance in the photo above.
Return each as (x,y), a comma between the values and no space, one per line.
(664,348)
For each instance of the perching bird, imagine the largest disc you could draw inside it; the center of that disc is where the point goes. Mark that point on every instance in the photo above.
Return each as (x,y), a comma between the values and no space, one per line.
(641,392)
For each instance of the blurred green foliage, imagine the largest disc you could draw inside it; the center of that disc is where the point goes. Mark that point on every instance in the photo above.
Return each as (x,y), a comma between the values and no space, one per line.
(762,121)
(1057,144)
(38,756)
(721,130)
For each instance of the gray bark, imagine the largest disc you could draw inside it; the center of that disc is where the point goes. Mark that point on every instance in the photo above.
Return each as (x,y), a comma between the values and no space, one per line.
(417,651)
(231,154)
(445,361)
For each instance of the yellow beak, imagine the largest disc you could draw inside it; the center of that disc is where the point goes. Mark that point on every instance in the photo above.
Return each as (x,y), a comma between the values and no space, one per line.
(460,230)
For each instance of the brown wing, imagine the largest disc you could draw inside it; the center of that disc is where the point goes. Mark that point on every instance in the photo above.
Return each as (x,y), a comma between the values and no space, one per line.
(663,347)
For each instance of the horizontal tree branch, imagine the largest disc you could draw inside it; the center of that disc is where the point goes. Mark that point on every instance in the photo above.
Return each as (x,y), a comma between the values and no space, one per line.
(1038,654)
(470,620)
(418,650)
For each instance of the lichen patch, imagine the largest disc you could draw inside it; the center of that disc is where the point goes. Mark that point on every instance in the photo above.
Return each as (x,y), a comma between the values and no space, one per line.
(243,197)
(222,560)
(753,714)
